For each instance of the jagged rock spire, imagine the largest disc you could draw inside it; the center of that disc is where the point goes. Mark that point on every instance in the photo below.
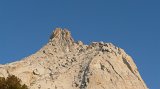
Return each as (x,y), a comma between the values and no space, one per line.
(62,37)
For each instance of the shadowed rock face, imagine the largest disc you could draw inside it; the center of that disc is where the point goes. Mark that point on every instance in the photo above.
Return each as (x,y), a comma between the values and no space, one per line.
(65,64)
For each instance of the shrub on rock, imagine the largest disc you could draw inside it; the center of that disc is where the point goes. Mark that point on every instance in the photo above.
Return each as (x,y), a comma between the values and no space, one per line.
(11,82)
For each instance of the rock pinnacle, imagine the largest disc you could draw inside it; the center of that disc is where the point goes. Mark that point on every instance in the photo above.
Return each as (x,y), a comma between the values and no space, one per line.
(62,38)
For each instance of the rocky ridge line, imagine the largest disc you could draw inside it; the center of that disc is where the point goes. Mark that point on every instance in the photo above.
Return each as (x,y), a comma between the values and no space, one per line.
(65,64)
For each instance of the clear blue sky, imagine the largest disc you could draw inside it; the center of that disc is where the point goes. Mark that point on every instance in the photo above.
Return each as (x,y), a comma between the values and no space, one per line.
(134,25)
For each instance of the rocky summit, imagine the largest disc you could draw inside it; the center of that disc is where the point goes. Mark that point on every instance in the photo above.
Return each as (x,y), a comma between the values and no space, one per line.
(65,64)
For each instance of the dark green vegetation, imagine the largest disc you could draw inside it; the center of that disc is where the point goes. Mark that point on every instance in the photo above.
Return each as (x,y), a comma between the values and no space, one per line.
(11,82)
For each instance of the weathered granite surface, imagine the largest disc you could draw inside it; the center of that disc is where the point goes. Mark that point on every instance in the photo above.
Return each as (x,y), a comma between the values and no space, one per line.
(65,64)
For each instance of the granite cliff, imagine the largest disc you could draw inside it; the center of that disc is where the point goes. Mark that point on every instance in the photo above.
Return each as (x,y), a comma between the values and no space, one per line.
(65,64)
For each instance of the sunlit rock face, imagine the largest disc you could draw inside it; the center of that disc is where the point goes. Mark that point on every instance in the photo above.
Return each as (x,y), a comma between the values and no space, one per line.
(65,64)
